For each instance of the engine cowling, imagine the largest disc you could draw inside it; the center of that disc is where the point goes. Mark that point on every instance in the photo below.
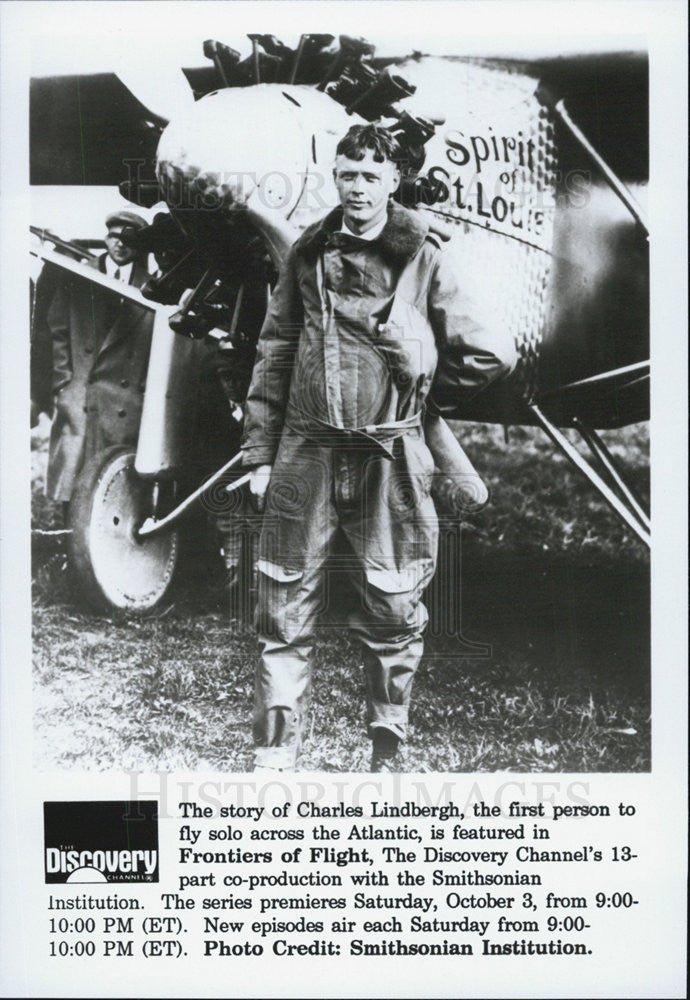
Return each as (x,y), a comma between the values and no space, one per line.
(254,158)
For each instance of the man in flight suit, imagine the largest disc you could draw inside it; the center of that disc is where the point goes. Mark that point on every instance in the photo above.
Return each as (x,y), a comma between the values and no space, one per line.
(367,326)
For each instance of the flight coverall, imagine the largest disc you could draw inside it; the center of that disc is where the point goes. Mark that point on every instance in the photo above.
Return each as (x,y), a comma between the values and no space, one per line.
(357,336)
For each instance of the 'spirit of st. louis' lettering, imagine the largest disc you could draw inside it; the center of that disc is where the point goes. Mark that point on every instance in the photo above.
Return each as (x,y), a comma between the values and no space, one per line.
(479,149)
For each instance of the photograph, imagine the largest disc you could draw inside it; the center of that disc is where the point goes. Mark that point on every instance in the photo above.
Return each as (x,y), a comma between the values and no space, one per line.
(346,401)
(300,502)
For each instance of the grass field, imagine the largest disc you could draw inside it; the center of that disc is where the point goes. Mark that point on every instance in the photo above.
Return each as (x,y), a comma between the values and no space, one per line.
(550,672)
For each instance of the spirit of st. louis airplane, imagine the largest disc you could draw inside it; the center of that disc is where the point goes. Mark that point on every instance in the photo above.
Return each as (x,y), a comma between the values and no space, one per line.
(532,171)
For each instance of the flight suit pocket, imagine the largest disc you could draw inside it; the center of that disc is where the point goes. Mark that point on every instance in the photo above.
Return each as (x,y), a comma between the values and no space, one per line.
(420,462)
(277,612)
(408,340)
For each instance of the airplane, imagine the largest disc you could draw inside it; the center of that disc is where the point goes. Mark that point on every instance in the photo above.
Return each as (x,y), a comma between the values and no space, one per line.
(532,170)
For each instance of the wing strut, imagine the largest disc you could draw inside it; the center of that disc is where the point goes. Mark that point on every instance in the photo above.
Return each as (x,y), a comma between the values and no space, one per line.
(599,449)
(614,182)
(624,503)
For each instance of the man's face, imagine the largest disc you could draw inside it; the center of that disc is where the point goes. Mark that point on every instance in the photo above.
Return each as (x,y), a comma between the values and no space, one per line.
(364,187)
(118,251)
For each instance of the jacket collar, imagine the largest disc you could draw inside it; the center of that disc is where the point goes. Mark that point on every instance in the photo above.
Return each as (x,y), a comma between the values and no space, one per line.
(400,240)
(138,274)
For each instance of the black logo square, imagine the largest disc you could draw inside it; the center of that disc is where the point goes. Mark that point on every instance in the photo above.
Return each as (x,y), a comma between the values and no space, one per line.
(90,842)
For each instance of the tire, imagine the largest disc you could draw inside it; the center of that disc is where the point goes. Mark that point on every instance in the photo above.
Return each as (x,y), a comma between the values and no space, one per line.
(113,569)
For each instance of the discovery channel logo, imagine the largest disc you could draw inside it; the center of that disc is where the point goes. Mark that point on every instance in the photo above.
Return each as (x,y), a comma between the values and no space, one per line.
(100,841)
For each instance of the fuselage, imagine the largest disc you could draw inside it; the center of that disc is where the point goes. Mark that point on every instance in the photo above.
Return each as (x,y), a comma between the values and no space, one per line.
(543,243)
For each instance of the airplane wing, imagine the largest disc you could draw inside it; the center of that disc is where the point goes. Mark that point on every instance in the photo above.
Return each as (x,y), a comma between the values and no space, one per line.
(84,130)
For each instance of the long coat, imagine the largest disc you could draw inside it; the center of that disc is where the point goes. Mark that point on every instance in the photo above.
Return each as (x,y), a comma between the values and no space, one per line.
(101,346)
(359,339)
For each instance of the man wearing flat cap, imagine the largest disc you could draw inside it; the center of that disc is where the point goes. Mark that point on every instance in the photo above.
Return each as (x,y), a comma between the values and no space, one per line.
(100,345)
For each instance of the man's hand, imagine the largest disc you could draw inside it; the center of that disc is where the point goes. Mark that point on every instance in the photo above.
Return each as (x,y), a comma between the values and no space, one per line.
(258,485)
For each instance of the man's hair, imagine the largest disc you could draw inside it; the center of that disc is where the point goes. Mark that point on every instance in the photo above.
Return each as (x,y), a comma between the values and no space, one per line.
(358,139)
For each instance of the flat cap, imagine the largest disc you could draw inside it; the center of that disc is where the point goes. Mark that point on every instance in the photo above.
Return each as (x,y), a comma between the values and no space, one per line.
(125,219)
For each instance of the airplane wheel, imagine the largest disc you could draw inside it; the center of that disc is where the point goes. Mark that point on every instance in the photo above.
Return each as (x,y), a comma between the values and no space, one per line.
(114,569)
